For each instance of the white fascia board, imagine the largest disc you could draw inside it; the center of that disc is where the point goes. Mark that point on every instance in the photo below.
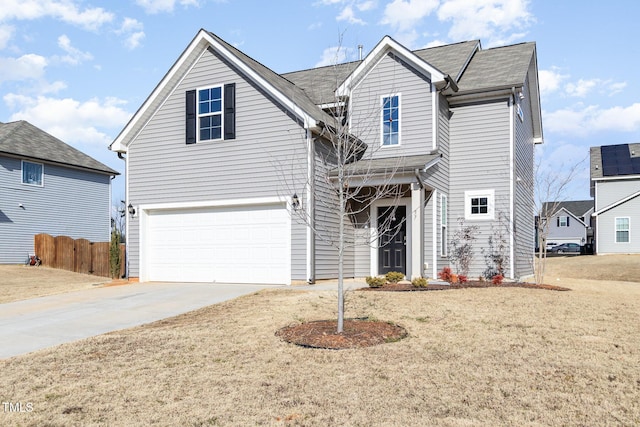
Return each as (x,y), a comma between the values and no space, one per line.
(615,204)
(121,143)
(198,43)
(617,178)
(569,214)
(387,44)
(309,122)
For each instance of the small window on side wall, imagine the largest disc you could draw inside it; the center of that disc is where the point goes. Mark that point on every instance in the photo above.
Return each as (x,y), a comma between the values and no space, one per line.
(32,173)
(478,204)
(622,230)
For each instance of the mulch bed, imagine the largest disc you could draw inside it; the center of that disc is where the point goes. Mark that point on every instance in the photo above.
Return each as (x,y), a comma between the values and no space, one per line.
(357,333)
(408,287)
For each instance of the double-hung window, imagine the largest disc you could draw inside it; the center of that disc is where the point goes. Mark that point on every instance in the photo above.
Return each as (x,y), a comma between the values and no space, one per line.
(210,113)
(443,226)
(563,221)
(622,230)
(32,173)
(391,120)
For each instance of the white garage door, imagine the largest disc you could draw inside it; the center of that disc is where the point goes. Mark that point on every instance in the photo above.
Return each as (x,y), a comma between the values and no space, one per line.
(230,245)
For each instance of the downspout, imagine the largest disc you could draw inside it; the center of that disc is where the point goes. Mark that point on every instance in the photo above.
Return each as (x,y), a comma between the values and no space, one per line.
(311,245)
(512,183)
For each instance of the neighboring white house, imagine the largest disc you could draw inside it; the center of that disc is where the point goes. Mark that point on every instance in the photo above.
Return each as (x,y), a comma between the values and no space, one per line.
(458,123)
(570,222)
(47,186)
(615,184)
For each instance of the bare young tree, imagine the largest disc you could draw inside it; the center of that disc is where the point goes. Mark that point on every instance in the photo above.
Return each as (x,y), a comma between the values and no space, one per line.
(346,181)
(551,190)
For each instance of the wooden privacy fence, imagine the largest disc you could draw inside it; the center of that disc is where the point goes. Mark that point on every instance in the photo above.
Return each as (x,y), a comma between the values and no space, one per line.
(79,255)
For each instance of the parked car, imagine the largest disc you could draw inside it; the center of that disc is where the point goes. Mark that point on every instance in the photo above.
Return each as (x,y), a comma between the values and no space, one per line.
(551,245)
(566,248)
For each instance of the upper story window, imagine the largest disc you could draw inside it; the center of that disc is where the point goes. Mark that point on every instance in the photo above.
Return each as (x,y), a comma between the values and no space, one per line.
(622,230)
(32,173)
(391,120)
(563,221)
(210,113)
(478,204)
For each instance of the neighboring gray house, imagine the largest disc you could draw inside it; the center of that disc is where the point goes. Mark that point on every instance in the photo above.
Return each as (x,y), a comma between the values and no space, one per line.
(47,186)
(224,151)
(615,185)
(570,222)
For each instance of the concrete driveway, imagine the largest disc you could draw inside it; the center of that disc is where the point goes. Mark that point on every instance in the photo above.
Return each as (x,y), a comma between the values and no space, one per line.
(33,324)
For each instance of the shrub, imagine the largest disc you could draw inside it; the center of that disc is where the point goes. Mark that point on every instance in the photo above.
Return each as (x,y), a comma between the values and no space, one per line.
(375,282)
(462,278)
(394,276)
(419,282)
(497,279)
(445,274)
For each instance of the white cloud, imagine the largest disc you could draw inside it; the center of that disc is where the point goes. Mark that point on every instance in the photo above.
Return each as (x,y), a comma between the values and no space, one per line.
(74,56)
(583,120)
(348,15)
(90,18)
(550,80)
(405,14)
(26,67)
(133,31)
(335,55)
(493,21)
(6,32)
(158,6)
(70,120)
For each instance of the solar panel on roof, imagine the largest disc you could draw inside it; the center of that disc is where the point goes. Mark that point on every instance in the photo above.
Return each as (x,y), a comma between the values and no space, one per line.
(617,160)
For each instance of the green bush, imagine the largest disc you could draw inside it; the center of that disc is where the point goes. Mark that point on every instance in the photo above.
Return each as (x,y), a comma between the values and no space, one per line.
(375,282)
(394,276)
(419,282)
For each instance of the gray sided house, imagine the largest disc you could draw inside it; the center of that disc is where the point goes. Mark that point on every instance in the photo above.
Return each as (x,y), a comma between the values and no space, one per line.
(225,153)
(570,222)
(615,185)
(47,186)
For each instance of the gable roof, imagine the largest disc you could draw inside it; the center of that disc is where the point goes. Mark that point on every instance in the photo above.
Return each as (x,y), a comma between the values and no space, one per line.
(463,67)
(22,139)
(577,208)
(615,161)
(617,203)
(291,97)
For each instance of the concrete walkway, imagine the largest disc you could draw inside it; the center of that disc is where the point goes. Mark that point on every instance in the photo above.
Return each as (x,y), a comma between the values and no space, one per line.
(33,324)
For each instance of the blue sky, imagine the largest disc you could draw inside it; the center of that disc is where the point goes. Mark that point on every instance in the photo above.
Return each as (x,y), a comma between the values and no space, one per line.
(80,68)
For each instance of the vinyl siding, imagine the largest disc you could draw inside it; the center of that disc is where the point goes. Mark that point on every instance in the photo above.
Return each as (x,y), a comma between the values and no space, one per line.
(390,77)
(71,202)
(327,220)
(524,203)
(267,158)
(479,160)
(575,230)
(607,193)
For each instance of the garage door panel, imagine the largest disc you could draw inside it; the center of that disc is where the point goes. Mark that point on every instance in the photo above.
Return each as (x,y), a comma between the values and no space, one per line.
(236,244)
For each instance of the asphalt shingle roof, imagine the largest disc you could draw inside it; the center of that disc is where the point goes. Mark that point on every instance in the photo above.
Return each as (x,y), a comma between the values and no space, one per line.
(576,207)
(615,160)
(23,139)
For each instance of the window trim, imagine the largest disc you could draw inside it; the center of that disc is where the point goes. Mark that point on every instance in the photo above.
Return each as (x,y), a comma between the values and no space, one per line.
(381,119)
(628,230)
(199,116)
(562,223)
(41,184)
(474,194)
(444,241)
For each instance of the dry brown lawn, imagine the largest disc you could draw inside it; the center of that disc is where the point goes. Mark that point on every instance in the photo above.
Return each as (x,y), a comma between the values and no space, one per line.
(474,357)
(19,282)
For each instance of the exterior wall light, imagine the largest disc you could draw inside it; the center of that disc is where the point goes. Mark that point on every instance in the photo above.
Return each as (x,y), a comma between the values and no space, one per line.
(295,202)
(131,209)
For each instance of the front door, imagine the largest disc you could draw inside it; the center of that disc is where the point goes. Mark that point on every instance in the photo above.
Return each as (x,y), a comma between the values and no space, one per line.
(392,229)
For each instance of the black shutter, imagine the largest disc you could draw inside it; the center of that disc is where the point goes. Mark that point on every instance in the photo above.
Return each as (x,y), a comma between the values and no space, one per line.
(230,111)
(191,117)
(558,220)
(567,221)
